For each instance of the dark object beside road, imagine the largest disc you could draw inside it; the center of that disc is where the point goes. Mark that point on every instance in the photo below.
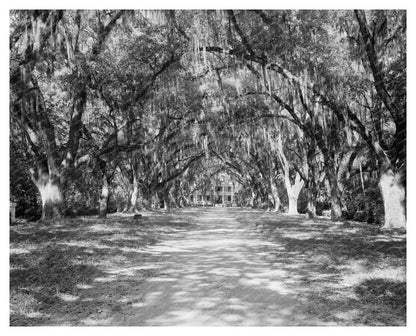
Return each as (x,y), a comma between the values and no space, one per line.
(138,217)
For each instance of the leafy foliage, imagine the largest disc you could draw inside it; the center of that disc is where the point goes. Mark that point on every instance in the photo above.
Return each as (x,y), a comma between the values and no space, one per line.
(146,99)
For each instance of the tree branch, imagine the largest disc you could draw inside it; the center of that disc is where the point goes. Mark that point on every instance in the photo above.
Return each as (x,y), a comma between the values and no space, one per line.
(103,32)
(244,39)
(375,66)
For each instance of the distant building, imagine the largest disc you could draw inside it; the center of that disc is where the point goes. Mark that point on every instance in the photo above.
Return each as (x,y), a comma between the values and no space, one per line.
(222,192)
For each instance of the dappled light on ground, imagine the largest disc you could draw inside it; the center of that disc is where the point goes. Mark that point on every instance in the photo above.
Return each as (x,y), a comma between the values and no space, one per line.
(218,274)
(215,266)
(332,261)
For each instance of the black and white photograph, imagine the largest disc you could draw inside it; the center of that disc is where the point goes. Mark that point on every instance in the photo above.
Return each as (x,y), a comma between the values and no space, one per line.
(207,167)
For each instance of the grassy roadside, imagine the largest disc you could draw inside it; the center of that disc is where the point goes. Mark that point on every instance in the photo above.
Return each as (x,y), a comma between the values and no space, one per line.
(348,274)
(84,270)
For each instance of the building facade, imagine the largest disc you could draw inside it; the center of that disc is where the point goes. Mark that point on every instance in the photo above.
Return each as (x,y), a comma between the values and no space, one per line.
(221,192)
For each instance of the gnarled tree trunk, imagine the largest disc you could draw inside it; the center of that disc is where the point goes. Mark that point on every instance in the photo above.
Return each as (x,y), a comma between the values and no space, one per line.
(253,199)
(394,200)
(311,208)
(133,198)
(105,190)
(105,194)
(312,193)
(52,195)
(336,208)
(334,190)
(293,192)
(52,201)
(167,198)
(311,183)
(275,195)
(155,201)
(127,200)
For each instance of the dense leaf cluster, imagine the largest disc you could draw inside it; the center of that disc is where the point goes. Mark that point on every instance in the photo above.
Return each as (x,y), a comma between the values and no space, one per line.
(128,109)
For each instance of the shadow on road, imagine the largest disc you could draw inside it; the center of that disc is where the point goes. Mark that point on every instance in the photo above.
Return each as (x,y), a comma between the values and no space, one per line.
(206,267)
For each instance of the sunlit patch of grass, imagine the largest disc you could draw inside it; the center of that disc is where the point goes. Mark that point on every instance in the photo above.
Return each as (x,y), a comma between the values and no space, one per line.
(22,303)
(351,274)
(357,272)
(19,251)
(62,273)
(24,309)
(84,270)
(300,235)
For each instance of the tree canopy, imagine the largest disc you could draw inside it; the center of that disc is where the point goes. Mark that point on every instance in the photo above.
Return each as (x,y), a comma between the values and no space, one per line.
(119,109)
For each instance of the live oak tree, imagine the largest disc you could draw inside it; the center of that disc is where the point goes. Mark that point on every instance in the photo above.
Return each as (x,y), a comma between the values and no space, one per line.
(284,100)
(319,84)
(383,43)
(54,43)
(240,49)
(135,61)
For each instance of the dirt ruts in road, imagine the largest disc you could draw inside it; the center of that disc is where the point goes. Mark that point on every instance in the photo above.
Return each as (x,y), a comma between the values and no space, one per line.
(220,272)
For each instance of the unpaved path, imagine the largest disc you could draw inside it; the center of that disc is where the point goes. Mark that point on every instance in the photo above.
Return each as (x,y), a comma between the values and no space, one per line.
(219,273)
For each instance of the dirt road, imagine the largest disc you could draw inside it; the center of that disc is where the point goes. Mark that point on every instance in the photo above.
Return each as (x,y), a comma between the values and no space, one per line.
(219,273)
(206,266)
